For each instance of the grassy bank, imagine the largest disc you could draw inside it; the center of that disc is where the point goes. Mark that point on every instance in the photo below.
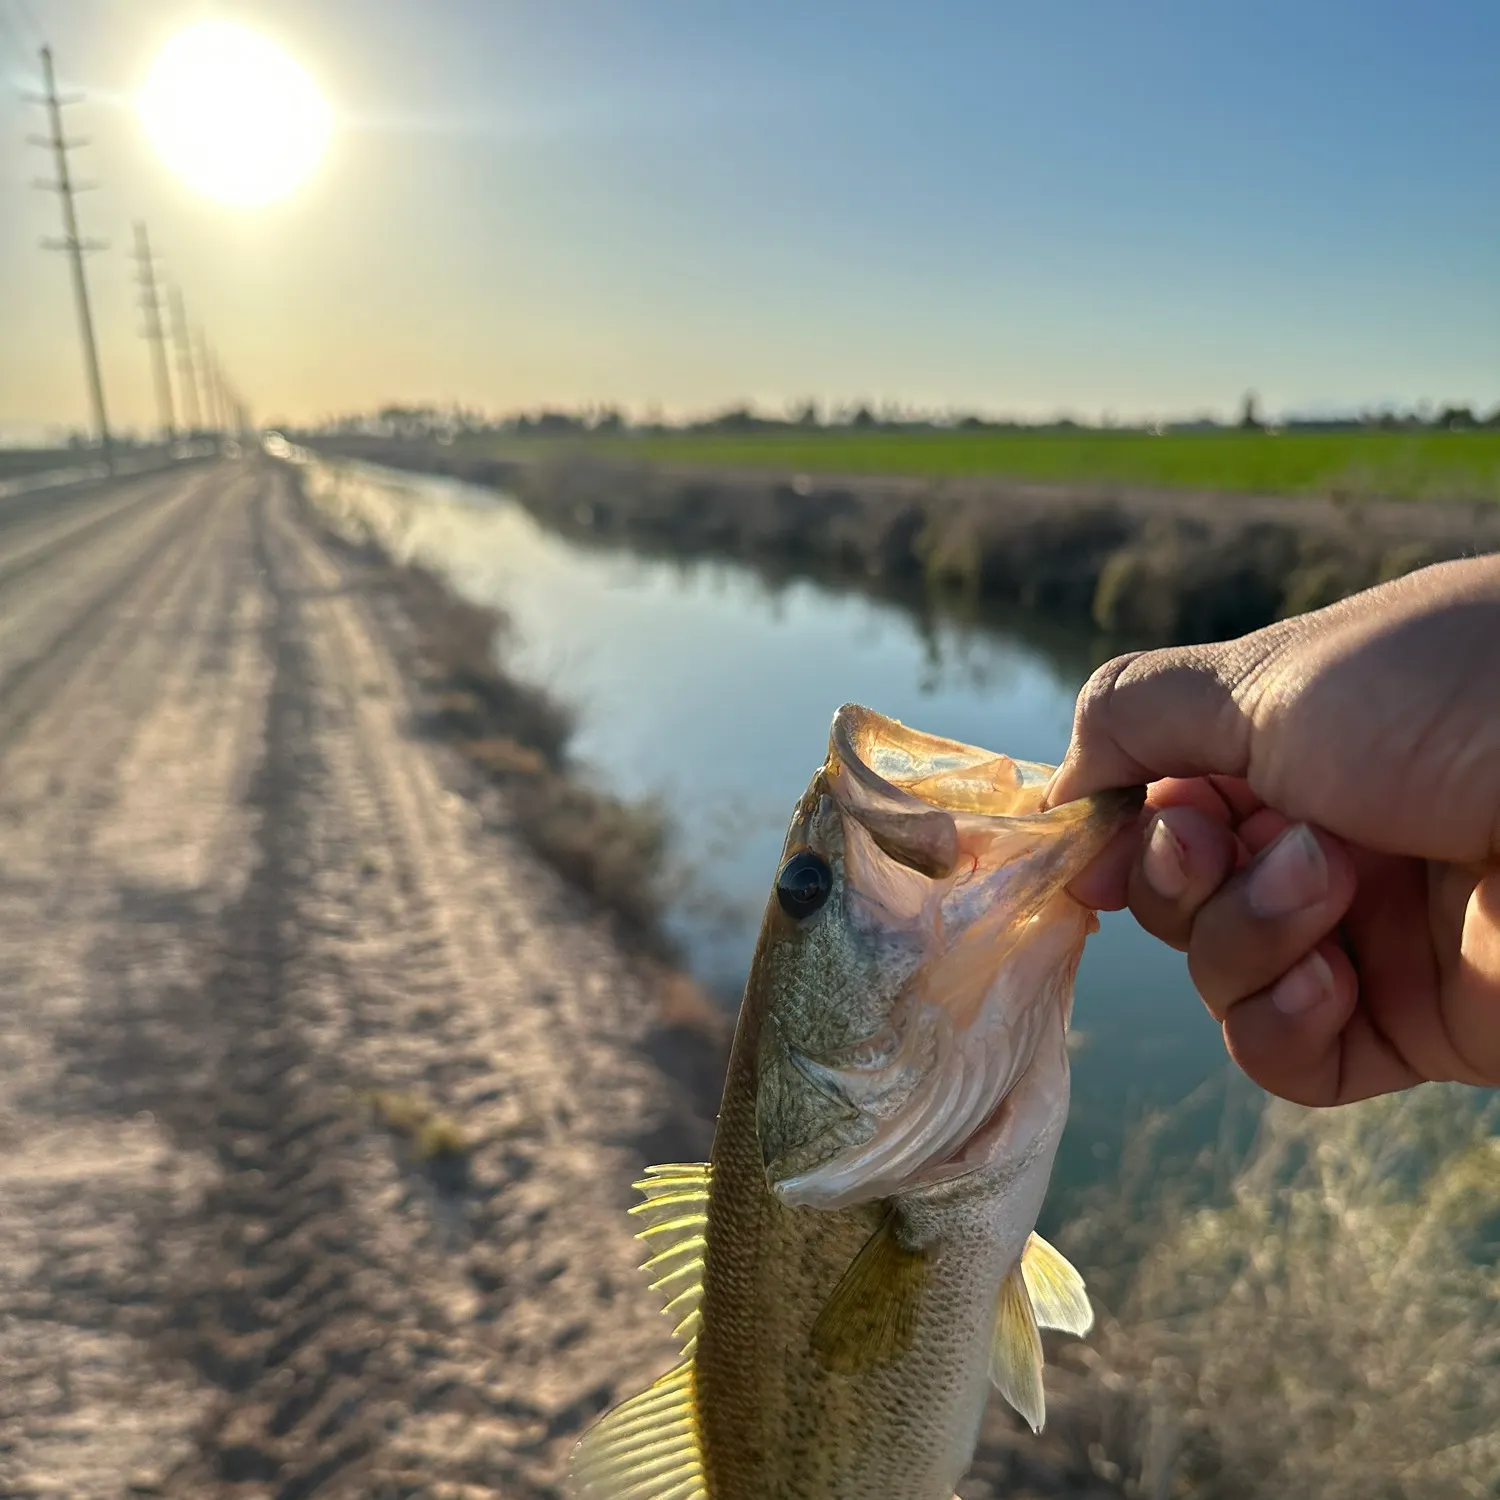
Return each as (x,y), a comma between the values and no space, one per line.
(1458,465)
(1140,565)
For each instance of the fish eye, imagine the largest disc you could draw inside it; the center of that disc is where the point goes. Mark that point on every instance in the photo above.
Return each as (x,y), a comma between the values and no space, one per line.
(803,884)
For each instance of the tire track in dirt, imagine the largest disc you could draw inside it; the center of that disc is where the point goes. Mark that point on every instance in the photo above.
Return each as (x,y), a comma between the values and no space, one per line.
(540,1225)
(188,1022)
(71,1415)
(234,889)
(392,1331)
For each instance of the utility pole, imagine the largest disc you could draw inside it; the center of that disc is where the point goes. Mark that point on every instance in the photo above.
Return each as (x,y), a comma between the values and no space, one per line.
(187,385)
(76,247)
(151,307)
(231,405)
(221,398)
(206,375)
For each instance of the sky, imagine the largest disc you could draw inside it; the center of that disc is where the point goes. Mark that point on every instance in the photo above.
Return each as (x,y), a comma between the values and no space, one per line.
(1106,210)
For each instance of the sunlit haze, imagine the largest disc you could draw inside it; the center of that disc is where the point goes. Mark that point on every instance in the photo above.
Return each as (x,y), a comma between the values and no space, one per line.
(1138,211)
(230,112)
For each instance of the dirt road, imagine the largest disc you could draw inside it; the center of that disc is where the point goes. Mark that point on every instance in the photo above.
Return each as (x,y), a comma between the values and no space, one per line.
(234,891)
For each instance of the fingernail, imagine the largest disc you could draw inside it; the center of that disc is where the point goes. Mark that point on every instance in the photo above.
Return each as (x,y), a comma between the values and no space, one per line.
(1164,861)
(1289,876)
(1302,987)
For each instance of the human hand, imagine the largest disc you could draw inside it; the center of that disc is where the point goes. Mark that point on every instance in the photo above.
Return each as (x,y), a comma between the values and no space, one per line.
(1322,836)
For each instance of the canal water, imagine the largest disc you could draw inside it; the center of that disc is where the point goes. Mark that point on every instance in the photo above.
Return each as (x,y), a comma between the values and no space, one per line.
(709,688)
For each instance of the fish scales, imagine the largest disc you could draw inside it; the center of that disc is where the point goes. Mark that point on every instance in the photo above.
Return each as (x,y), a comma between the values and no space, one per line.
(775,1424)
(857,1263)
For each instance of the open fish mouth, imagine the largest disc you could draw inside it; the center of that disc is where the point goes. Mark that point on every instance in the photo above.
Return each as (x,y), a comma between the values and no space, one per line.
(918,794)
(949,841)
(967,819)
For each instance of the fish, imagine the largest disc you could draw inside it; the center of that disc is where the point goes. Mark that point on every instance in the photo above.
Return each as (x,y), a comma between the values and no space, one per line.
(856,1265)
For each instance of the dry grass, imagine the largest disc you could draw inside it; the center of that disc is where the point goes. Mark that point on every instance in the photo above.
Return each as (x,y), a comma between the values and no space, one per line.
(431,1135)
(517,736)
(1155,565)
(1330,1330)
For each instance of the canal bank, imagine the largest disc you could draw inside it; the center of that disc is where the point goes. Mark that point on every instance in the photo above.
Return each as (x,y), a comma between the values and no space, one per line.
(1144,565)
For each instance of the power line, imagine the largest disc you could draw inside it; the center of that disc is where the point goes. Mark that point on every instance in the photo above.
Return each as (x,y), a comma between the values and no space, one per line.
(151,309)
(221,403)
(224,409)
(211,406)
(75,247)
(187,385)
(228,402)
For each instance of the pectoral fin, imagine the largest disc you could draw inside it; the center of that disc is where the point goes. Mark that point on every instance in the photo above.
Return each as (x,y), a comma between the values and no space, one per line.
(1056,1290)
(871,1318)
(1016,1353)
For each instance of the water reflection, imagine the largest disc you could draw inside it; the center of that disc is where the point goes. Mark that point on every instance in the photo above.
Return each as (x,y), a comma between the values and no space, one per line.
(711,686)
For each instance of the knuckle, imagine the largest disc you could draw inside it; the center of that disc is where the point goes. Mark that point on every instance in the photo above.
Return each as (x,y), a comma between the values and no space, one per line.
(1098,692)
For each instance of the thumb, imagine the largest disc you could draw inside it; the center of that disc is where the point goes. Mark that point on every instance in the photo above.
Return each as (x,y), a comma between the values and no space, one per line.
(1159,713)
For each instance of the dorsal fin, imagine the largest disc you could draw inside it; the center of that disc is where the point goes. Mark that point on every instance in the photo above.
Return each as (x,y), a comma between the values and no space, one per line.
(1016,1353)
(647,1448)
(676,1215)
(1056,1289)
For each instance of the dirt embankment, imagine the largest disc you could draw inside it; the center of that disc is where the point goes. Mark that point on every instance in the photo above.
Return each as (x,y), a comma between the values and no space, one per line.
(1145,565)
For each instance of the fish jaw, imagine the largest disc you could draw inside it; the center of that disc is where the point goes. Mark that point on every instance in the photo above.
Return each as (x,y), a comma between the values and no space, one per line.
(946,846)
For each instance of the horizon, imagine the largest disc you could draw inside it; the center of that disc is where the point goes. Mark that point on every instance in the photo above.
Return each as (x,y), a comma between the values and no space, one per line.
(830,417)
(1125,220)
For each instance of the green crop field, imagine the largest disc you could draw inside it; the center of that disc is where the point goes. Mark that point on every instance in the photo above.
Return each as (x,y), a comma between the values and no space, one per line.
(1463,464)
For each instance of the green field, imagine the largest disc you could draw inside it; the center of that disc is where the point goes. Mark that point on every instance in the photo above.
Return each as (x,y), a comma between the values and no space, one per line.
(1402,464)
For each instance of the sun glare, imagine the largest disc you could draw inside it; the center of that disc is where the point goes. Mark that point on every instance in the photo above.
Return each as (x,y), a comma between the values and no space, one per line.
(233,115)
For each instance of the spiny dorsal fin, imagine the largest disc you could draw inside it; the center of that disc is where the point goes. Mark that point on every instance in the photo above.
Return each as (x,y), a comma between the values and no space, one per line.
(676,1215)
(1056,1289)
(647,1448)
(1016,1353)
(871,1317)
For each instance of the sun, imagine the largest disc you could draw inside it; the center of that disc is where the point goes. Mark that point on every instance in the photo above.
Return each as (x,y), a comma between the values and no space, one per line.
(233,115)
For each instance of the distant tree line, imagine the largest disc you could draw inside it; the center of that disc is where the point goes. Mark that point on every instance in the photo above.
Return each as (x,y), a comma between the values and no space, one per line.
(445,424)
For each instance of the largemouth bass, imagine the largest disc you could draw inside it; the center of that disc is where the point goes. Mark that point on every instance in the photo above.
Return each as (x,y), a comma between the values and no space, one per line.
(856,1264)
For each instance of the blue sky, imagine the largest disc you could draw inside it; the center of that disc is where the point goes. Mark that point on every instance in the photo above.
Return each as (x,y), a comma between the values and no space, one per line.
(1141,210)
